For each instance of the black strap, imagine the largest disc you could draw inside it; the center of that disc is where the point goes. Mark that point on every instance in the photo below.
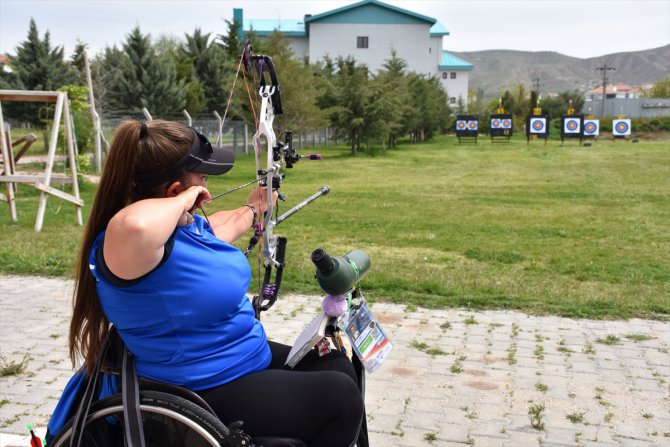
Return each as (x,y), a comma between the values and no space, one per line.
(130,395)
(131,402)
(91,390)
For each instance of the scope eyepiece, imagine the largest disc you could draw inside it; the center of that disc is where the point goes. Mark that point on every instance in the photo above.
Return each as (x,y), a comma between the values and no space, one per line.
(323,262)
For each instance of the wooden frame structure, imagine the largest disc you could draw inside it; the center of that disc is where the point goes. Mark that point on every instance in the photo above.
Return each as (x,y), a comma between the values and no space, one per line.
(41,182)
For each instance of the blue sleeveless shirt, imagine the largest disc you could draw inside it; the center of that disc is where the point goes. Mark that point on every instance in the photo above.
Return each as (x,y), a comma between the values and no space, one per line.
(188,321)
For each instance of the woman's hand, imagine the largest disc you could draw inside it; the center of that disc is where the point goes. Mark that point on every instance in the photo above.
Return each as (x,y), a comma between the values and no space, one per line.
(258,198)
(192,198)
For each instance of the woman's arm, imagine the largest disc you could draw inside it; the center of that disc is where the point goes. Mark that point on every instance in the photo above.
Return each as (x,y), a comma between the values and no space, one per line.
(136,235)
(230,225)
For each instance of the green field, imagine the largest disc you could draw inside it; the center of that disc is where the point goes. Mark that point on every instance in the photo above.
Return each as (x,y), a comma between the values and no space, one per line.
(565,230)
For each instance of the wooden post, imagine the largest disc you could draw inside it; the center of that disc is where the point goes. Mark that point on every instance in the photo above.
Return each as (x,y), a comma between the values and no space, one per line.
(147,115)
(71,156)
(51,155)
(95,118)
(219,122)
(8,169)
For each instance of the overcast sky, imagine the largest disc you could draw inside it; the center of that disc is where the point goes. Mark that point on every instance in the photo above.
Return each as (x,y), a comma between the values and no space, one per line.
(579,28)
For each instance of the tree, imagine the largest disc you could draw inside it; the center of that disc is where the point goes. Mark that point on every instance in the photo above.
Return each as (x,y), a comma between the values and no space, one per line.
(557,106)
(107,71)
(389,104)
(660,89)
(431,112)
(37,66)
(78,61)
(231,42)
(353,86)
(205,62)
(151,81)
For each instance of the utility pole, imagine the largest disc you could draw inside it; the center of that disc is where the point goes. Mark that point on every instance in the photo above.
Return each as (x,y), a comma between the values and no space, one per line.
(536,84)
(604,69)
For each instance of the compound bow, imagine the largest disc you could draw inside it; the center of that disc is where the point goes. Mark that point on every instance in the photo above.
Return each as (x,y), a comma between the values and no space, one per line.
(277,155)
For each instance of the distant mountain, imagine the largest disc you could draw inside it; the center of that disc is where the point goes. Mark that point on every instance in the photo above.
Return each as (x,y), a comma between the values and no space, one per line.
(498,70)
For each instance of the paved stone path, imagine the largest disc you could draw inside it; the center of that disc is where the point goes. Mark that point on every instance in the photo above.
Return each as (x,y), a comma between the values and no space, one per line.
(454,377)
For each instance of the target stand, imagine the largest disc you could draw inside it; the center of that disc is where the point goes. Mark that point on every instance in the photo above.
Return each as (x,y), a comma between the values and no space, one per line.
(621,128)
(590,129)
(537,126)
(500,128)
(41,182)
(467,128)
(572,126)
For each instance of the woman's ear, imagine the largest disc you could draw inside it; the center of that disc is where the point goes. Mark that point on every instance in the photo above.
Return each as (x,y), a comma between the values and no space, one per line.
(173,189)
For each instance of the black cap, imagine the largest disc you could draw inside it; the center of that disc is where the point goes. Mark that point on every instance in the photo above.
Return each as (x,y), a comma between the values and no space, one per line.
(202,157)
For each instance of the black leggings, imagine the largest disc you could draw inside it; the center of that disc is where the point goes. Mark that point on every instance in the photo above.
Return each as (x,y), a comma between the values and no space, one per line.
(318,401)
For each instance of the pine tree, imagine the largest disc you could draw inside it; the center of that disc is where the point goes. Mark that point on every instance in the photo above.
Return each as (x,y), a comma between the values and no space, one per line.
(151,81)
(354,94)
(37,66)
(206,67)
(230,41)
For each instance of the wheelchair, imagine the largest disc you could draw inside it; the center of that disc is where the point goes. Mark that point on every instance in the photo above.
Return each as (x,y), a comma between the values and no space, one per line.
(171,416)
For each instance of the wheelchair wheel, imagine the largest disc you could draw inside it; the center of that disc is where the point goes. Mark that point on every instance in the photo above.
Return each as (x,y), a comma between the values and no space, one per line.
(169,421)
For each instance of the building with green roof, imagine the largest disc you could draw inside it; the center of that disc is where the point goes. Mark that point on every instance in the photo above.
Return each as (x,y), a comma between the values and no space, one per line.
(369,31)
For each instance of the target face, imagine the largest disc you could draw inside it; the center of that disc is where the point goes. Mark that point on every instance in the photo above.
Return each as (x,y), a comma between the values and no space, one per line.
(472,125)
(506,124)
(461,125)
(571,125)
(621,128)
(495,123)
(538,125)
(591,127)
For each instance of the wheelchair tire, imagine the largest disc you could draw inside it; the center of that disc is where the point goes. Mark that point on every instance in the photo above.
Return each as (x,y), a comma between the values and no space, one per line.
(169,421)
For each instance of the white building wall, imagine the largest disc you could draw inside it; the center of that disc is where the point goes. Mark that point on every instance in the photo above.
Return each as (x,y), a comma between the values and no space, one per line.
(456,87)
(411,43)
(299,46)
(435,52)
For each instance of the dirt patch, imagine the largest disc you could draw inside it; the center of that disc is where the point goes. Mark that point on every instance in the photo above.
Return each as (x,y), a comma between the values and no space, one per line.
(402,371)
(490,359)
(475,372)
(481,385)
(386,318)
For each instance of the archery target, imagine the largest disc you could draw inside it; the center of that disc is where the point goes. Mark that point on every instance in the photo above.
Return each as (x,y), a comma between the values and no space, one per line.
(591,128)
(461,125)
(538,125)
(571,126)
(472,125)
(506,123)
(621,128)
(496,123)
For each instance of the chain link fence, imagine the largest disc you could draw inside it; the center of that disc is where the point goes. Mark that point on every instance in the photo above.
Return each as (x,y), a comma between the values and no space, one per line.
(235,135)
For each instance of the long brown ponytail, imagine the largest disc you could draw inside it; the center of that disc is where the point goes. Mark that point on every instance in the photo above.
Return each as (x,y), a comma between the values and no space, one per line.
(165,143)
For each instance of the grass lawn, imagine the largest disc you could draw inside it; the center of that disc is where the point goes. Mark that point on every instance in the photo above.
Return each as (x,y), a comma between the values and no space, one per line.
(563,230)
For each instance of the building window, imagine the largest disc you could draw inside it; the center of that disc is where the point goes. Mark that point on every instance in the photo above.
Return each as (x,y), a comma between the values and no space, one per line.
(362,42)
(452,100)
(453,75)
(444,75)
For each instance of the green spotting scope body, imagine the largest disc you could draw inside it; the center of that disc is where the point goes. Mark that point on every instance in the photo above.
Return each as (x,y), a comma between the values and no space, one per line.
(338,275)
